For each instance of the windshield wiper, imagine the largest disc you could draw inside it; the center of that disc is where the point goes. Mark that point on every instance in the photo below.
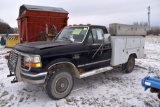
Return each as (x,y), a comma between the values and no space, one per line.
(67,39)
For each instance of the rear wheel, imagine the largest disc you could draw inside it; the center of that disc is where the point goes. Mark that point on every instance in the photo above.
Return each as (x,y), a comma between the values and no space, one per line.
(59,84)
(129,65)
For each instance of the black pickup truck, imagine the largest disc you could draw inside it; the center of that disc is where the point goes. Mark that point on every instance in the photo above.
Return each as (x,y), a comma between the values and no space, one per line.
(77,51)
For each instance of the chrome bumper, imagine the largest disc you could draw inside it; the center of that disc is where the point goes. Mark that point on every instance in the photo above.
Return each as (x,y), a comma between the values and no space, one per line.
(33,78)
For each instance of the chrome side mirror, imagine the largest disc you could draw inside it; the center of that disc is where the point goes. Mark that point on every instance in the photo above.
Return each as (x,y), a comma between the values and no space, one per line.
(106,38)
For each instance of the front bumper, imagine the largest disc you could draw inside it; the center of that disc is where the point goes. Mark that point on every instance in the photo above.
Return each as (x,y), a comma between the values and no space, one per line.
(33,78)
(22,74)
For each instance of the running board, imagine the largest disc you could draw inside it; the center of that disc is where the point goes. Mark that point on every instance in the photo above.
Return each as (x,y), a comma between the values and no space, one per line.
(96,71)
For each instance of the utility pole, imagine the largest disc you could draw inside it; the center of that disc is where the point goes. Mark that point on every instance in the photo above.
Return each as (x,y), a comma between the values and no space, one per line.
(149,18)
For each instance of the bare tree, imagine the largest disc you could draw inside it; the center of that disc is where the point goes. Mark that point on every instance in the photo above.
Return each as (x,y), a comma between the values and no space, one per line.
(4,26)
(155,30)
(15,30)
(135,23)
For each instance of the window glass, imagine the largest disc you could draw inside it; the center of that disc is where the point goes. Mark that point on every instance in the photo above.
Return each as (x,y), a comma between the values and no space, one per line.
(94,34)
(90,39)
(97,35)
(73,34)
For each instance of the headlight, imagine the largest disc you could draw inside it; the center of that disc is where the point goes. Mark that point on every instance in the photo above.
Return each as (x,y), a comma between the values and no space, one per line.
(33,61)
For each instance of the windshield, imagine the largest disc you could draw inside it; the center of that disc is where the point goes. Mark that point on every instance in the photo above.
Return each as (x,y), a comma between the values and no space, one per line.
(73,34)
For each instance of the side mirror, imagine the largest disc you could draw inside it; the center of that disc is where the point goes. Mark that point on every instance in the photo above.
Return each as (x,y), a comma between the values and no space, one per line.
(106,38)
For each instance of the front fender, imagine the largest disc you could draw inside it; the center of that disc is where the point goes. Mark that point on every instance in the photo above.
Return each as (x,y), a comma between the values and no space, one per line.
(64,62)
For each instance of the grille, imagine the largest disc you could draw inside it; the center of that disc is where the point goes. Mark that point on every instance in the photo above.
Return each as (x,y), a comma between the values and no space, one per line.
(12,61)
(22,61)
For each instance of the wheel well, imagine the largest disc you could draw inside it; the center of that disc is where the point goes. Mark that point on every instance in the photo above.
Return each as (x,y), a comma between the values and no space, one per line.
(63,63)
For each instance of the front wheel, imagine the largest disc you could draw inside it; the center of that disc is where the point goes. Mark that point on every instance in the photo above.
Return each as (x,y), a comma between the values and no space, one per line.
(129,65)
(59,84)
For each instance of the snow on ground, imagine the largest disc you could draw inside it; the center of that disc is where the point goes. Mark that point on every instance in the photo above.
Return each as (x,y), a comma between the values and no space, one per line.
(110,89)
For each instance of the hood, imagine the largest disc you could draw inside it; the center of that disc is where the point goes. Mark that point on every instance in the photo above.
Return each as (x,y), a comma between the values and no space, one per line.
(40,45)
(45,44)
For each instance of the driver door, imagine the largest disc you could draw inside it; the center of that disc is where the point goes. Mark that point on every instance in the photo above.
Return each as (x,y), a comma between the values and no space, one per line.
(99,54)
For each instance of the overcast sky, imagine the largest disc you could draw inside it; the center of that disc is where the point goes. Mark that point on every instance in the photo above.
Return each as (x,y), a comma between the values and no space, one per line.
(99,12)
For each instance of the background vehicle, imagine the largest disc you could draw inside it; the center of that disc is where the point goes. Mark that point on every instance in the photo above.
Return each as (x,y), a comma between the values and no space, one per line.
(77,51)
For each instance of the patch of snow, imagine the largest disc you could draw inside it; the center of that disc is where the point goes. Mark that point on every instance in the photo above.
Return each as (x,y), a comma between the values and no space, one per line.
(110,89)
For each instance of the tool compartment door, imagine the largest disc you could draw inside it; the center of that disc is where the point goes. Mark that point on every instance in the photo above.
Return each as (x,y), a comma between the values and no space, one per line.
(124,46)
(133,43)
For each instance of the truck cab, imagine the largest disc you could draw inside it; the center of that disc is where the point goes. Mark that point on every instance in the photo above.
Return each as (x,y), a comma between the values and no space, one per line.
(77,51)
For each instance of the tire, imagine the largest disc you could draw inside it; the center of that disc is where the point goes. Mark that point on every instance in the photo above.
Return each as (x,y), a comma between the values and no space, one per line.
(60,84)
(129,65)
